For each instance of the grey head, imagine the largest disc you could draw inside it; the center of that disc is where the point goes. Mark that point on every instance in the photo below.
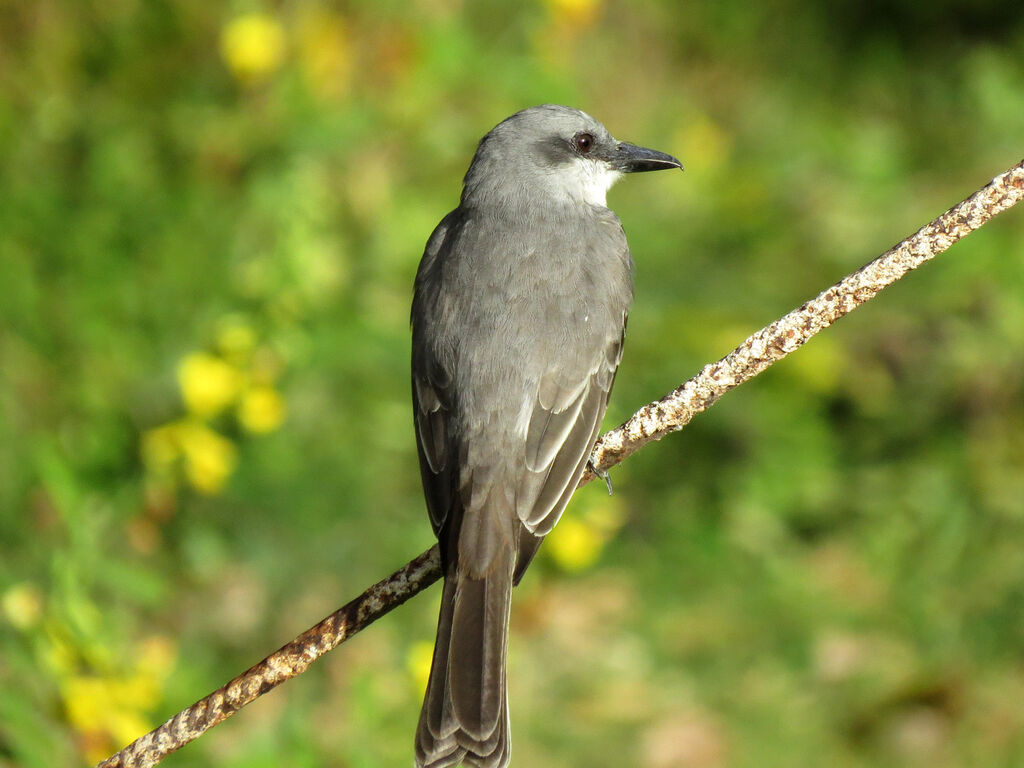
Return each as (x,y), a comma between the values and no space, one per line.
(552,154)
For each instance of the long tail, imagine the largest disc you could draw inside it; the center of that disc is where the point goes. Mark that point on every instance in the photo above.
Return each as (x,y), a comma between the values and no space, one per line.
(465,710)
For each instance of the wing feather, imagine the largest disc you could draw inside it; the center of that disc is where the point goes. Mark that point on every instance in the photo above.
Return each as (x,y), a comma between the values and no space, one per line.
(432,393)
(562,431)
(550,425)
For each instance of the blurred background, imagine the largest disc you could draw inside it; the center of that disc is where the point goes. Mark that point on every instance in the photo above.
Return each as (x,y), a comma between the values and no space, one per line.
(210,219)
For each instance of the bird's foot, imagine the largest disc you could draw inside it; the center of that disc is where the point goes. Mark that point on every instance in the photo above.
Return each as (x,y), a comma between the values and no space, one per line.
(603,475)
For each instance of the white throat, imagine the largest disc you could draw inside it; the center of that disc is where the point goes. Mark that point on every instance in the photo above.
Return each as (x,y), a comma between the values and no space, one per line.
(587,181)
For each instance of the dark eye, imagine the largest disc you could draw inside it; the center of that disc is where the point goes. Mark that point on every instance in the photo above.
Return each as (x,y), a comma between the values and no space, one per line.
(584,142)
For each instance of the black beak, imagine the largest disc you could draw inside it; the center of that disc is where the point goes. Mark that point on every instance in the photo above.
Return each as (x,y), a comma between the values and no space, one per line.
(630,158)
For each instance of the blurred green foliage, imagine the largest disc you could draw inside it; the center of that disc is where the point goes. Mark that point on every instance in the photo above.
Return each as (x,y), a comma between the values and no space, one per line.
(210,218)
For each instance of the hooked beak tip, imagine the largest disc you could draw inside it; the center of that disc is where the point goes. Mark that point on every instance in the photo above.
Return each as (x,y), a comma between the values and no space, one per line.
(630,158)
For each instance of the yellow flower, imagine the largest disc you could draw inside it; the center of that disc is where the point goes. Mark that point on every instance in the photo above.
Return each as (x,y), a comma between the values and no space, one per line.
(23,605)
(261,409)
(208,384)
(578,540)
(253,46)
(418,661)
(109,710)
(574,545)
(210,458)
(104,710)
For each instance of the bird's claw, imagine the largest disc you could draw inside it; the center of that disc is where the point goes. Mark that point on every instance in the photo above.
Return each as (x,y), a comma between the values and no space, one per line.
(603,475)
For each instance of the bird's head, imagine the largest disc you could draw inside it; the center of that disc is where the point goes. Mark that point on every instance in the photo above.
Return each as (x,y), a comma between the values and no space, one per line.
(554,154)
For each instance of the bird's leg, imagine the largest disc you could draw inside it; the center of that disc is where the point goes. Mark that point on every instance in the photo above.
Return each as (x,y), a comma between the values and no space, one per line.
(603,475)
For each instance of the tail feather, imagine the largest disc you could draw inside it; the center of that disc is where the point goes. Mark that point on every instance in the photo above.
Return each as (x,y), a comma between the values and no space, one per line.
(465,710)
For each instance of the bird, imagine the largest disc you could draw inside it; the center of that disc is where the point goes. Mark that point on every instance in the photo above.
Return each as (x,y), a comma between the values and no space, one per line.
(518,319)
